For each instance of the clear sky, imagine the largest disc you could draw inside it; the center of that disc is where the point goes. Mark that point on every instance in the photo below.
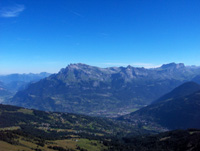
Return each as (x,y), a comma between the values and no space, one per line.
(46,35)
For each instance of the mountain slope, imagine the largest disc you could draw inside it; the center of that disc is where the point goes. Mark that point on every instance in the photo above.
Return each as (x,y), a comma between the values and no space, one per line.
(115,91)
(177,140)
(172,112)
(196,79)
(181,91)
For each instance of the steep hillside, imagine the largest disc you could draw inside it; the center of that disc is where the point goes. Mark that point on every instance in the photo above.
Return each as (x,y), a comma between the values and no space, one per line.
(175,110)
(81,88)
(181,91)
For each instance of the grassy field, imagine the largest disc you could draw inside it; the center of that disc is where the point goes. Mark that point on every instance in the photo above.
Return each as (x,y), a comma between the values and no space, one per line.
(26,111)
(31,144)
(10,128)
(90,145)
(23,146)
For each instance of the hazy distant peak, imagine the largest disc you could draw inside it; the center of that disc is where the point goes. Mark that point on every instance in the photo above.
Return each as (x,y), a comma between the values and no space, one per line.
(129,67)
(173,65)
(77,65)
(193,67)
(74,66)
(80,66)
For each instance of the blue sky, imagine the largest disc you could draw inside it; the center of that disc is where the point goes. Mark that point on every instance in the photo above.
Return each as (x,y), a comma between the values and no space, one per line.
(46,35)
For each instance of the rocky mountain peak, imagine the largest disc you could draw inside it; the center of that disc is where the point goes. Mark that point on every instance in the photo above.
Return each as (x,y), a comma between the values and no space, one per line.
(77,66)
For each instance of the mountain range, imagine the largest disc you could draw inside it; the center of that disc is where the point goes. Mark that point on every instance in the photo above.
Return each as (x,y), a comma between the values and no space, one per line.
(11,83)
(111,92)
(15,82)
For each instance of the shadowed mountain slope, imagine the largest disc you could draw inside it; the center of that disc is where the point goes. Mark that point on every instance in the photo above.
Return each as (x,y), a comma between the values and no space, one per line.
(182,90)
(176,110)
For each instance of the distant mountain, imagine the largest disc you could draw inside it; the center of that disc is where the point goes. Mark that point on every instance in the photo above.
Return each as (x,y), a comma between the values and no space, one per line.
(179,109)
(10,84)
(4,93)
(80,88)
(23,77)
(15,82)
(2,88)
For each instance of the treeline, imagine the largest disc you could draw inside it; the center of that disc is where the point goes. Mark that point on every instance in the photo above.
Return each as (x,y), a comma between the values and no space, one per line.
(9,137)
